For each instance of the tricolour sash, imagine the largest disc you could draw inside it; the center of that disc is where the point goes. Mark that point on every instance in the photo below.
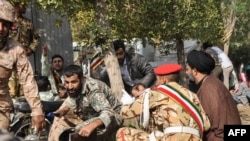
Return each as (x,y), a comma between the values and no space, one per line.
(185,102)
(96,60)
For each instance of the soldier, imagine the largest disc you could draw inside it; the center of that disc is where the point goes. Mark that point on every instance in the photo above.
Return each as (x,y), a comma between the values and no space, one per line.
(95,108)
(13,57)
(170,111)
(23,32)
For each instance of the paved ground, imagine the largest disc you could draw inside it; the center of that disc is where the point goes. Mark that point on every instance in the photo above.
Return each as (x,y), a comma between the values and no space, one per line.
(244,114)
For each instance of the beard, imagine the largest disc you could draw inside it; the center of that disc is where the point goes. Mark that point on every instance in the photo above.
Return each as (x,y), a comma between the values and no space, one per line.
(74,93)
(191,77)
(3,41)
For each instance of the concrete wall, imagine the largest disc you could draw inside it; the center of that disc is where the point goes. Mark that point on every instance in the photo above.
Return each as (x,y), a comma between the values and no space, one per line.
(154,56)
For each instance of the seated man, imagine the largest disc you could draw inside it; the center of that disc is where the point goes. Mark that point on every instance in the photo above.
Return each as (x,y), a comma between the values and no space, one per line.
(90,108)
(134,68)
(240,92)
(53,72)
(44,88)
(170,111)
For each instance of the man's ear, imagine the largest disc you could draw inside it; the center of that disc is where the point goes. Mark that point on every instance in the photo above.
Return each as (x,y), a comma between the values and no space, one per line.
(82,79)
(165,79)
(195,71)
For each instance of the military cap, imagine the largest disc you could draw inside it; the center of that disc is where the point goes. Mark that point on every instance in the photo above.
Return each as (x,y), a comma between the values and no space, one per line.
(7,11)
(167,69)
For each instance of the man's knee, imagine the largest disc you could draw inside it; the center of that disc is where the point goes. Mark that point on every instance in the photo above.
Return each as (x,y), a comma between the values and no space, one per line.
(4,121)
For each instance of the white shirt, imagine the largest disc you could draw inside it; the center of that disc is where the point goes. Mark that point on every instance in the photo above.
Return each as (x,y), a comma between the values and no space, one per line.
(224,59)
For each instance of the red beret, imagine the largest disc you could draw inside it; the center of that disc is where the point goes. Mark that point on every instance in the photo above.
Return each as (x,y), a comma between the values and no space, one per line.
(167,69)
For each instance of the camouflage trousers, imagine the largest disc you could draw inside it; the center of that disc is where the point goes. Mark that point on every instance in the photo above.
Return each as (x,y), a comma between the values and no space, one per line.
(61,124)
(64,123)
(131,134)
(5,109)
(4,120)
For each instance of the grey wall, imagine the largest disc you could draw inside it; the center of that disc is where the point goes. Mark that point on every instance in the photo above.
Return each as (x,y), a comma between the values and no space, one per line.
(59,39)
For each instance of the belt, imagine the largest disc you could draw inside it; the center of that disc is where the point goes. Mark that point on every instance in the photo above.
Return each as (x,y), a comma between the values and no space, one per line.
(182,129)
(174,129)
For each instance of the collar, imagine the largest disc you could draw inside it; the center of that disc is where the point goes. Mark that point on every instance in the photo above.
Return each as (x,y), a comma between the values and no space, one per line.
(200,83)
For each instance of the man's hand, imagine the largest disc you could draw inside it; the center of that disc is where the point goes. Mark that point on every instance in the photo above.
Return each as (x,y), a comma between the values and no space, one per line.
(44,50)
(60,112)
(38,122)
(86,130)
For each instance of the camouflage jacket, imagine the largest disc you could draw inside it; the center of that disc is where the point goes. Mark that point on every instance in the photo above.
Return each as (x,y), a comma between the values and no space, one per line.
(165,111)
(24,32)
(96,100)
(12,57)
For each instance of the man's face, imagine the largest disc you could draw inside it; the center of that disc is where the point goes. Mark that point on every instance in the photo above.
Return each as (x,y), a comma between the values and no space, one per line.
(73,85)
(120,54)
(4,30)
(57,64)
(189,73)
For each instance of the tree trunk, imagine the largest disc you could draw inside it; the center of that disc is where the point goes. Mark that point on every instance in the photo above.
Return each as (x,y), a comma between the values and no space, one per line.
(226,46)
(114,73)
(110,59)
(181,61)
(229,23)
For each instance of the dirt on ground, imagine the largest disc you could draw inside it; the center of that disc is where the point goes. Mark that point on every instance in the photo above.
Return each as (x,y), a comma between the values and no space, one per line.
(244,114)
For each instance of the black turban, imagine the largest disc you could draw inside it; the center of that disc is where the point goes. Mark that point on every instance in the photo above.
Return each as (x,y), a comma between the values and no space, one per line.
(200,60)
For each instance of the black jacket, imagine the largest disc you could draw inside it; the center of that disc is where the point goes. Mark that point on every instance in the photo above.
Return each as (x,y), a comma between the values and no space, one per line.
(139,69)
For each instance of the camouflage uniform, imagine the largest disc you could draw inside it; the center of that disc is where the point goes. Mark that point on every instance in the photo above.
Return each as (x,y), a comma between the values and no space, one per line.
(12,57)
(165,112)
(24,33)
(96,101)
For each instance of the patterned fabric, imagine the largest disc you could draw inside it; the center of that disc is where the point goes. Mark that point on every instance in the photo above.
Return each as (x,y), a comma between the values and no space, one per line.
(185,102)
(7,11)
(96,101)
(12,57)
(24,33)
(164,112)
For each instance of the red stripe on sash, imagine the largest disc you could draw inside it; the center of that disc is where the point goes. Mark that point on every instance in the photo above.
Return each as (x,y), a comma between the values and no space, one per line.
(196,118)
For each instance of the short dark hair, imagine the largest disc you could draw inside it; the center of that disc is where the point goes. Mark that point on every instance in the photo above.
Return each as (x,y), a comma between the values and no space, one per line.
(42,83)
(119,44)
(207,45)
(70,70)
(57,56)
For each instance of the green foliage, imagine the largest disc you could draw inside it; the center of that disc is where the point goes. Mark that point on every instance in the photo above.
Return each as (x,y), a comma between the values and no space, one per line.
(240,41)
(167,19)
(20,1)
(155,19)
(240,54)
(242,27)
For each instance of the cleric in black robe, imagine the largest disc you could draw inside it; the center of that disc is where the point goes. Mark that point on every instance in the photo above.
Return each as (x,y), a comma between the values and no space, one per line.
(214,96)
